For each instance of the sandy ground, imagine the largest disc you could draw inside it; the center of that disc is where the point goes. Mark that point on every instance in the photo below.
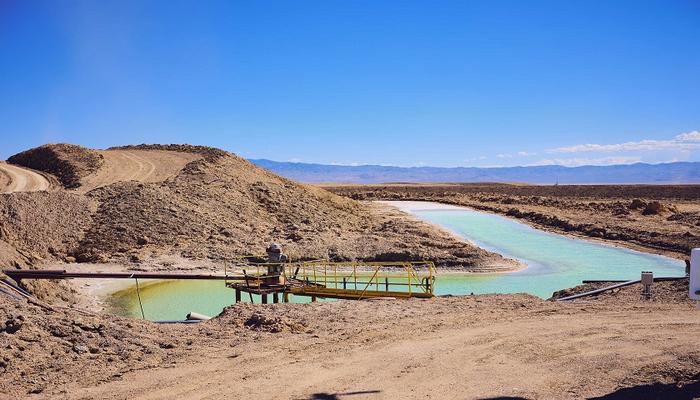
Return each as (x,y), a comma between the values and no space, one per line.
(472,347)
(136,165)
(18,179)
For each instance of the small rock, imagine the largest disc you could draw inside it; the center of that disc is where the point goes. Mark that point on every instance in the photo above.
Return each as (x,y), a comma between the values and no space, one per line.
(37,390)
(80,349)
(58,331)
(653,208)
(13,325)
(226,232)
(637,204)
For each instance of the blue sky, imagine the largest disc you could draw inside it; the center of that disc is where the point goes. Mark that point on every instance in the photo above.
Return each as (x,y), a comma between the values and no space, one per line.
(444,83)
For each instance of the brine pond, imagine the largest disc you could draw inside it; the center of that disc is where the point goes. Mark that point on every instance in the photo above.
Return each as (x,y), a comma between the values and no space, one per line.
(553,262)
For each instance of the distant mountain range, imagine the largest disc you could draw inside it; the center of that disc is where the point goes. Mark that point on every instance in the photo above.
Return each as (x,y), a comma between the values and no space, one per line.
(676,172)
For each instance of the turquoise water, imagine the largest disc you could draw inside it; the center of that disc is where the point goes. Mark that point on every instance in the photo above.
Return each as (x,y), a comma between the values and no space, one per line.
(554,262)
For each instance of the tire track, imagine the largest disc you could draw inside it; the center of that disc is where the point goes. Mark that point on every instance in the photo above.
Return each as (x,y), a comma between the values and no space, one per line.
(18,179)
(136,165)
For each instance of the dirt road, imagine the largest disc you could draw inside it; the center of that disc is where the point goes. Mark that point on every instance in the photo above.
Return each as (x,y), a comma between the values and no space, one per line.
(136,165)
(18,179)
(479,347)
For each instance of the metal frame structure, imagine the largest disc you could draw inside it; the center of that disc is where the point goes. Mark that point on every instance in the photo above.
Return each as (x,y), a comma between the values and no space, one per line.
(340,280)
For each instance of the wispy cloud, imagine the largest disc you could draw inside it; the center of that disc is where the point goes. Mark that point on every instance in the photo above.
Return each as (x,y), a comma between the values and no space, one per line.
(526,154)
(577,162)
(351,164)
(684,141)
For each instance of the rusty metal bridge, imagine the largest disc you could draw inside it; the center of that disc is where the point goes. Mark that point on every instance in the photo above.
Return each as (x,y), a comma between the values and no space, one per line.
(338,280)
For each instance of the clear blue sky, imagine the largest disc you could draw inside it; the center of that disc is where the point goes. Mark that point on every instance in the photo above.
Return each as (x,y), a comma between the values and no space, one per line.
(447,83)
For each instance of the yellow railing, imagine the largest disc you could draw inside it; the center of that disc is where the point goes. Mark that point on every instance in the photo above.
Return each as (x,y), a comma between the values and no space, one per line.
(360,278)
(357,280)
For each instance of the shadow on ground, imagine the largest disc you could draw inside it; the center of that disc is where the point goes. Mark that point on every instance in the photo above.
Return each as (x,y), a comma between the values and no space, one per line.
(338,396)
(504,398)
(655,391)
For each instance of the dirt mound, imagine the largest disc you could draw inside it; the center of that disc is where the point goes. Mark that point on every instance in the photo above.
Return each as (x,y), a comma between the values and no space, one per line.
(223,206)
(43,224)
(69,163)
(203,203)
(262,319)
(41,350)
(42,227)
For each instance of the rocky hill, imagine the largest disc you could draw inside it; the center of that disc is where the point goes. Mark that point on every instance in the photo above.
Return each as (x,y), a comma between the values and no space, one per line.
(200,203)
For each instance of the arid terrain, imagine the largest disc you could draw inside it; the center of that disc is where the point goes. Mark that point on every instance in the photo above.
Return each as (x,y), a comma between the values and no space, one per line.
(663,219)
(138,207)
(471,347)
(140,203)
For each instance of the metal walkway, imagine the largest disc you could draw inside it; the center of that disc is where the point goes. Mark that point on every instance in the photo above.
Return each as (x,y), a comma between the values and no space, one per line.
(340,280)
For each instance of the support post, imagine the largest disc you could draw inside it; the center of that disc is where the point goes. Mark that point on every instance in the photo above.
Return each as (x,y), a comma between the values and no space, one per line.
(238,295)
(285,297)
(138,293)
(275,298)
(264,298)
(694,287)
(313,299)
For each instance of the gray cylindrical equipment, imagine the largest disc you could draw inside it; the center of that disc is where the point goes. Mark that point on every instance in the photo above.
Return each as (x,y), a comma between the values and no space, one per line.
(276,258)
(193,316)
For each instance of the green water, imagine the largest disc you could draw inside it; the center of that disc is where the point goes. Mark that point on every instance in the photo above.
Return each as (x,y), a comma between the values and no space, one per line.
(173,299)
(554,262)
